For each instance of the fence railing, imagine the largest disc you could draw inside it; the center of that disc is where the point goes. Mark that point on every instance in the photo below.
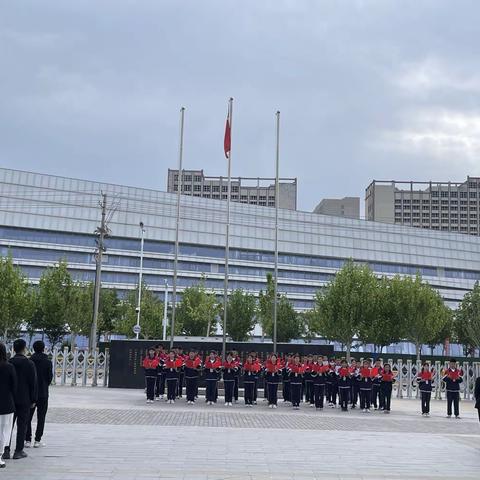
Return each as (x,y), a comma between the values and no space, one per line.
(85,368)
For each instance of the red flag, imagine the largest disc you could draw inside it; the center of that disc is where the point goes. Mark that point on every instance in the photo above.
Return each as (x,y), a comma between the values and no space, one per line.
(227,140)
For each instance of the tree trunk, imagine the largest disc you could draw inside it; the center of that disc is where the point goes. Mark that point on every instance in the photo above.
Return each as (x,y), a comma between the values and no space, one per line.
(348,347)
(418,351)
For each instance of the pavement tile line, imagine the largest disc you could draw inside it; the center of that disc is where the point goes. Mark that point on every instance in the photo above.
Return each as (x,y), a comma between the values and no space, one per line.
(233,419)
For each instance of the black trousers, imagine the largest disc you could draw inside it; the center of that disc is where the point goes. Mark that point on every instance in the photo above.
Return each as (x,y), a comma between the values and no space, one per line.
(248,392)
(229,386)
(41,407)
(286,391)
(385,396)
(255,390)
(453,397)
(354,393)
(171,388)
(296,391)
(160,385)
(318,394)
(343,396)
(309,395)
(180,384)
(211,390)
(426,396)
(21,416)
(365,397)
(150,382)
(235,389)
(191,385)
(272,393)
(332,389)
(376,395)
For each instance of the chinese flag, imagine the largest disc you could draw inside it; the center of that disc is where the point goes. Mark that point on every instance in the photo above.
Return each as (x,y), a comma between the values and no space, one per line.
(227,140)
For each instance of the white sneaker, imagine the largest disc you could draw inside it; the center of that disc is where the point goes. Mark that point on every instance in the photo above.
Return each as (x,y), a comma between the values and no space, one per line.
(157,399)
(227,404)
(368,410)
(274,406)
(38,444)
(28,444)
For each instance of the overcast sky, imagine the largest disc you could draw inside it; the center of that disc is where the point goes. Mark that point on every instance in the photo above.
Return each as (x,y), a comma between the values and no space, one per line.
(367,89)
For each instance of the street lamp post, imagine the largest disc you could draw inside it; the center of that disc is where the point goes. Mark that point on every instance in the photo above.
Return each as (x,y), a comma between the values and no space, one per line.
(137,326)
(165,304)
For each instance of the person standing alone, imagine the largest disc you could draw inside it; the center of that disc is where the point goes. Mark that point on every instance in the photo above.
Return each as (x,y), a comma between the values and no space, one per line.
(44,369)
(8,387)
(25,398)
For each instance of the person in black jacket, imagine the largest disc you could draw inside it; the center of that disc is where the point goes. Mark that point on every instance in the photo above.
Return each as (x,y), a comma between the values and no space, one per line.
(452,377)
(44,370)
(477,396)
(8,387)
(25,398)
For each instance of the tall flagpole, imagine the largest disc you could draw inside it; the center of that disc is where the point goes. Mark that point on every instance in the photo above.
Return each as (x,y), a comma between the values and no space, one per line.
(177,225)
(227,233)
(277,195)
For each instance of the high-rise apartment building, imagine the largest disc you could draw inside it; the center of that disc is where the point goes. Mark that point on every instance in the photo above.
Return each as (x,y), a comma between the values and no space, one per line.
(249,190)
(447,206)
(348,207)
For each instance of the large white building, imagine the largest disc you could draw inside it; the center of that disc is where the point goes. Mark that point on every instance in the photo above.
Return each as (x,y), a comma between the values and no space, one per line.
(45,218)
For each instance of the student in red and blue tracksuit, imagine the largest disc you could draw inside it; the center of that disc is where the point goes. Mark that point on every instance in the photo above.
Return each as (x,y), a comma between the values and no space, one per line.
(425,385)
(453,377)
(150,365)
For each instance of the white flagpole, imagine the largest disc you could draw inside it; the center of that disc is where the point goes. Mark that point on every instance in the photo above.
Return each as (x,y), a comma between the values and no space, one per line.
(177,225)
(277,194)
(227,234)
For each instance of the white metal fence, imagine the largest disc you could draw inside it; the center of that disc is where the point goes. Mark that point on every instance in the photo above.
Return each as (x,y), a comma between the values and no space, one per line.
(85,368)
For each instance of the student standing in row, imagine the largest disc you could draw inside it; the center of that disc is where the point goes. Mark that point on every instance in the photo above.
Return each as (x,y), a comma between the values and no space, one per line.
(25,398)
(344,385)
(150,366)
(286,380)
(193,364)
(365,386)
(477,396)
(229,369)
(160,384)
(251,369)
(453,378)
(376,381)
(273,371)
(44,368)
(213,367)
(296,372)
(425,385)
(171,368)
(386,386)
(8,387)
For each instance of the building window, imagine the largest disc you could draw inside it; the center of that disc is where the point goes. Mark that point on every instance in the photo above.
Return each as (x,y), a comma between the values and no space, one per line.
(435,193)
(175,177)
(175,188)
(206,188)
(271,204)
(264,204)
(454,194)
(197,188)
(253,197)
(215,188)
(444,193)
(472,185)
(187,178)
(271,198)
(215,195)
(262,197)
(243,197)
(224,188)
(463,194)
(187,188)
(235,188)
(197,178)
(234,197)
(473,194)
(224,197)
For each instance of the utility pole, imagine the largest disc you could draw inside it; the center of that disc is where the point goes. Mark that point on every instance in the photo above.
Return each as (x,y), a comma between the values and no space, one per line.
(101,232)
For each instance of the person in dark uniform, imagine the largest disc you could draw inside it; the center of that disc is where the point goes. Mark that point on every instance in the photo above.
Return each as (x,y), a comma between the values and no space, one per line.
(213,367)
(425,385)
(286,380)
(251,369)
(160,384)
(319,379)
(25,398)
(44,370)
(193,364)
(238,371)
(273,373)
(386,386)
(477,396)
(296,371)
(453,377)
(8,387)
(308,379)
(172,366)
(354,382)
(230,367)
(365,386)
(331,383)
(150,366)
(181,372)
(344,386)
(376,381)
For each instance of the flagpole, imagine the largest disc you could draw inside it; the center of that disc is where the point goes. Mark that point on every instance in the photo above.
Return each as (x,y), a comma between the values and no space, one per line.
(227,234)
(177,225)
(277,195)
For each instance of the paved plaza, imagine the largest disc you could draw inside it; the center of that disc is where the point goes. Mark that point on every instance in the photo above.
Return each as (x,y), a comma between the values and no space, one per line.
(98,433)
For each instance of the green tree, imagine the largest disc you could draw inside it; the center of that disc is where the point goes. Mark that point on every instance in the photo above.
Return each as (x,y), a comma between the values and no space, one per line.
(265,305)
(54,296)
(423,312)
(241,309)
(109,311)
(80,311)
(346,304)
(383,327)
(15,304)
(467,320)
(197,313)
(151,314)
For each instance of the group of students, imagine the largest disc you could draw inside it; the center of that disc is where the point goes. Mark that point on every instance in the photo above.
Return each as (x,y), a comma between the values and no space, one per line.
(24,386)
(314,380)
